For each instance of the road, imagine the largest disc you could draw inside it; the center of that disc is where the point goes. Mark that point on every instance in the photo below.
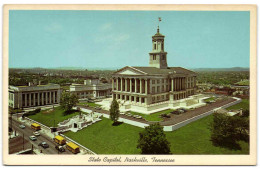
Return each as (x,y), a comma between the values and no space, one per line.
(27,131)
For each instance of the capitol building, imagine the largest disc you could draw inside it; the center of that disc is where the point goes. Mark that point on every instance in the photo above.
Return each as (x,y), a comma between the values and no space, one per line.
(156,87)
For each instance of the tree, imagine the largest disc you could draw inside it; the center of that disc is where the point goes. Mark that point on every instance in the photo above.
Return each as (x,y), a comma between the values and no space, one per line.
(68,101)
(153,140)
(227,130)
(245,113)
(114,111)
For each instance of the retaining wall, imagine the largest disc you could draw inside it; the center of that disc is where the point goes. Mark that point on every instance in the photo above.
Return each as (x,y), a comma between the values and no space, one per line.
(183,123)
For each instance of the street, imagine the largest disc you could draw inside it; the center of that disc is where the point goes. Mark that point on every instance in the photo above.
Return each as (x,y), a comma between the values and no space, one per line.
(16,144)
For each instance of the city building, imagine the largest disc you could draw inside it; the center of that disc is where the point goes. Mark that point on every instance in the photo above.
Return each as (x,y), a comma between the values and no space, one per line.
(92,88)
(153,88)
(33,95)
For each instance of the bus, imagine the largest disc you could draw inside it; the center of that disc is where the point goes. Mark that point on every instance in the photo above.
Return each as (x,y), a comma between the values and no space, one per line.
(73,147)
(60,140)
(36,126)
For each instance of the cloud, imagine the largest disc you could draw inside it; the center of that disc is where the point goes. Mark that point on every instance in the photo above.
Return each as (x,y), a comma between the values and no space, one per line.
(53,27)
(106,27)
(110,36)
(122,37)
(114,38)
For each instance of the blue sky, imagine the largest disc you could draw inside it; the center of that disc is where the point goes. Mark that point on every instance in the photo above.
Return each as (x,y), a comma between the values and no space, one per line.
(114,39)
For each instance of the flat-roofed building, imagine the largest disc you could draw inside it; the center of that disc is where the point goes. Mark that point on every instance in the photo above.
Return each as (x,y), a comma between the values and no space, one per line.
(34,95)
(92,88)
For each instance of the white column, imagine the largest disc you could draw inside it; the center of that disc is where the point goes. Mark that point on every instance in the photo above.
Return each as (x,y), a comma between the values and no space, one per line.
(30,99)
(25,97)
(135,86)
(117,84)
(53,97)
(121,84)
(146,87)
(50,97)
(113,87)
(42,99)
(141,86)
(172,83)
(33,101)
(130,85)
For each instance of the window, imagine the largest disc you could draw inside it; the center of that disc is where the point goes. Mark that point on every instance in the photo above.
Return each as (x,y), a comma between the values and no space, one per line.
(163,57)
(153,81)
(162,46)
(154,47)
(158,89)
(153,89)
(154,57)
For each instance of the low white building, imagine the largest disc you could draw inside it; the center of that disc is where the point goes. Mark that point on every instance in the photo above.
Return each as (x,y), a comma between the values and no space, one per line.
(92,88)
(33,95)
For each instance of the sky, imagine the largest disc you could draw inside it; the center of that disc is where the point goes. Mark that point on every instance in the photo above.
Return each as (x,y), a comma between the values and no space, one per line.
(114,39)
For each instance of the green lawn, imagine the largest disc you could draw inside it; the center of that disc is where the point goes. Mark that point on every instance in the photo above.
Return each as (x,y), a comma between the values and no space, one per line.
(194,138)
(209,99)
(244,105)
(154,116)
(89,104)
(103,138)
(48,119)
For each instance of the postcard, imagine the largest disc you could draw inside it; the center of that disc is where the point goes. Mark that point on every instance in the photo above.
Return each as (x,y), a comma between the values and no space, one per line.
(129,85)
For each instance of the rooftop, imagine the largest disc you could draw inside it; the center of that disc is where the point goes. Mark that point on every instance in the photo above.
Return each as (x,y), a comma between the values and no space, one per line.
(169,70)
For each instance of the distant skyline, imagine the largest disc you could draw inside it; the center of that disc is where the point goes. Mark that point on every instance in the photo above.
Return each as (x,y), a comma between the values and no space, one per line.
(114,39)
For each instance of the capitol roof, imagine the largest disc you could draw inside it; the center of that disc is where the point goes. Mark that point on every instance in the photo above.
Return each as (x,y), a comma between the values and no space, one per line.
(169,70)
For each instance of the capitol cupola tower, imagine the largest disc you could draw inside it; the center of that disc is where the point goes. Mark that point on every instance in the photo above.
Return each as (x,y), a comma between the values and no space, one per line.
(158,57)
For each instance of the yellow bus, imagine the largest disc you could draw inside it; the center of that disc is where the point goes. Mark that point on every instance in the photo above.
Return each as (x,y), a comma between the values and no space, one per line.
(60,140)
(36,126)
(73,147)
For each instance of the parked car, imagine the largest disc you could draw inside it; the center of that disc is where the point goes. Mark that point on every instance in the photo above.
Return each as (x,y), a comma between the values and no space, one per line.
(33,138)
(22,126)
(36,133)
(44,145)
(60,148)
(183,109)
(175,112)
(165,115)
